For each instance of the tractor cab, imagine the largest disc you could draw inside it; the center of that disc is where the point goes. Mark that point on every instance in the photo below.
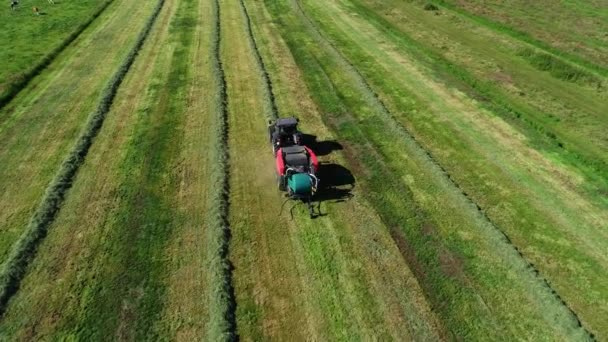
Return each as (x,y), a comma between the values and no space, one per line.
(284,132)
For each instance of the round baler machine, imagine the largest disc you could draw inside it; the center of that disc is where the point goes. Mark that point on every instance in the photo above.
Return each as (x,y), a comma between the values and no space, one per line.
(296,164)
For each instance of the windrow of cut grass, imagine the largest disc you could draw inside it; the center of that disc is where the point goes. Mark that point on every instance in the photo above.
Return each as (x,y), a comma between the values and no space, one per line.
(555,38)
(529,196)
(15,266)
(138,262)
(270,107)
(9,88)
(339,276)
(547,62)
(557,117)
(222,303)
(459,255)
(41,125)
(403,133)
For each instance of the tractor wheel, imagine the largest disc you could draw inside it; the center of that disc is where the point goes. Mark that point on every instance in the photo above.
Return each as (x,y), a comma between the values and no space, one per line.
(281,182)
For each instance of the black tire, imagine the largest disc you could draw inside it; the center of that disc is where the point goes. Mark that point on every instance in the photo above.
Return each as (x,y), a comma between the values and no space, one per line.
(281,183)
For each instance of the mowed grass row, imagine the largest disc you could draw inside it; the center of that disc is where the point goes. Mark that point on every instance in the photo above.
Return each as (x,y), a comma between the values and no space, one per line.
(474,279)
(127,255)
(520,84)
(530,197)
(270,106)
(335,277)
(565,119)
(30,43)
(221,297)
(14,267)
(39,127)
(570,29)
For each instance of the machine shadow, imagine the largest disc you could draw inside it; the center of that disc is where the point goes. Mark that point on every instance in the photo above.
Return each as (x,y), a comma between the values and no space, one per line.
(336,183)
(321,148)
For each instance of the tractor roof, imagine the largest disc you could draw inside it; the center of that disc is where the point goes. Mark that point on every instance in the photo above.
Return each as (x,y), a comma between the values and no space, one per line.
(287,122)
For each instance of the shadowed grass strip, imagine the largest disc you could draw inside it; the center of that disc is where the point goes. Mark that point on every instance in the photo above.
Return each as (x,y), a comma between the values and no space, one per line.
(222,303)
(402,133)
(24,79)
(270,107)
(14,268)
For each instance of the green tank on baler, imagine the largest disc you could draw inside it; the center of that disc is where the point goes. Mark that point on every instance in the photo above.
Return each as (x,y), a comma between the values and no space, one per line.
(300,184)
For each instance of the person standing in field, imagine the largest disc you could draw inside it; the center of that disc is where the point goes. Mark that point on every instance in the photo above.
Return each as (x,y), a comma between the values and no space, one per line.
(14,4)
(36,10)
(51,2)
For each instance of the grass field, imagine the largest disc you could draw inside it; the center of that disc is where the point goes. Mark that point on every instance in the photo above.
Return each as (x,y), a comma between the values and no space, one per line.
(463,173)
(31,42)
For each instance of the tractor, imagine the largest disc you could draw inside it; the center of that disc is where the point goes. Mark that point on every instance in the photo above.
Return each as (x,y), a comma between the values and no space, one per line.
(297,165)
(284,132)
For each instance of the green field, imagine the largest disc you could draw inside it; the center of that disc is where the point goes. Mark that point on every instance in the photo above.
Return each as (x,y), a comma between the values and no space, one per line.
(464,171)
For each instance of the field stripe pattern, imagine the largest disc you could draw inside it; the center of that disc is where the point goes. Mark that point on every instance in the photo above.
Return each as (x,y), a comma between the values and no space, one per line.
(12,89)
(462,181)
(14,268)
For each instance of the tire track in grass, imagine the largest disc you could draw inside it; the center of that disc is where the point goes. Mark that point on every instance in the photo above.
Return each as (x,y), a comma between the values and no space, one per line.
(15,267)
(405,134)
(15,88)
(222,301)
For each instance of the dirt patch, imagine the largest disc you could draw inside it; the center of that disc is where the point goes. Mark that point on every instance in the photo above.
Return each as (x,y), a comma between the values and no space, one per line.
(407,251)
(451,265)
(502,77)
(355,165)
(428,229)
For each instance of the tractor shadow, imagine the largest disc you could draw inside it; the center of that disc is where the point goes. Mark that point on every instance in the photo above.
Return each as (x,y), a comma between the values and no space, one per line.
(321,148)
(336,182)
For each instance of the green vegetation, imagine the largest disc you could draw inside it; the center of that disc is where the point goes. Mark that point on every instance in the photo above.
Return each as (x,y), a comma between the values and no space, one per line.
(332,268)
(221,298)
(25,38)
(568,29)
(488,189)
(520,95)
(270,107)
(14,268)
(147,205)
(463,173)
(347,97)
(44,122)
(559,69)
